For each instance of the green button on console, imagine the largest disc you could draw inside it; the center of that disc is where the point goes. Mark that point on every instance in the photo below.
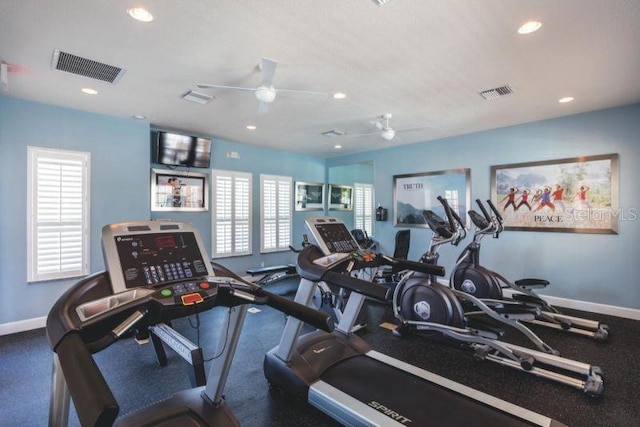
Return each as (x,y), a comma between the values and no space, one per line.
(166,292)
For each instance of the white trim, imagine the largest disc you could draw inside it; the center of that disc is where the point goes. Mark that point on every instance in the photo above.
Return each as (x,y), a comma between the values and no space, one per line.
(22,325)
(592,307)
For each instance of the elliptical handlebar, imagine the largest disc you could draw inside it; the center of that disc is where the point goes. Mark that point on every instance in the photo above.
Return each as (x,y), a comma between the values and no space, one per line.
(484,210)
(495,211)
(451,214)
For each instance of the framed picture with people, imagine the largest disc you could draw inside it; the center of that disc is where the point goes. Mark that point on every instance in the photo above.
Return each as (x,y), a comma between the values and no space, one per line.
(575,195)
(179,191)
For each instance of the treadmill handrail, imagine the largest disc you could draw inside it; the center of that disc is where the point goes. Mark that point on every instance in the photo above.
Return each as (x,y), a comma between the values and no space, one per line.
(309,270)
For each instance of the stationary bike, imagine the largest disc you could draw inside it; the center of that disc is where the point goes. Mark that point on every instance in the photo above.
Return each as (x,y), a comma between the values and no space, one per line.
(424,306)
(470,277)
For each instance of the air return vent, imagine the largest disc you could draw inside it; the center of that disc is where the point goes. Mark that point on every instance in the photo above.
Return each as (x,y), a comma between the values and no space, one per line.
(197,97)
(333,133)
(70,63)
(496,92)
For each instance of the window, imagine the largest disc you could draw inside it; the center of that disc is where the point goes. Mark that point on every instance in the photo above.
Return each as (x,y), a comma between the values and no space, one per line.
(231,214)
(275,212)
(57,214)
(363,207)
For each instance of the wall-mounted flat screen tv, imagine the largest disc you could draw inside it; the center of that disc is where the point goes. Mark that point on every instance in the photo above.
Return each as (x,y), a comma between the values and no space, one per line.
(174,149)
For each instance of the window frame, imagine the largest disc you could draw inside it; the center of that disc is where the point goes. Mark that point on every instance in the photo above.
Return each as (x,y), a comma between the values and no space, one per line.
(34,154)
(233,175)
(279,179)
(371,214)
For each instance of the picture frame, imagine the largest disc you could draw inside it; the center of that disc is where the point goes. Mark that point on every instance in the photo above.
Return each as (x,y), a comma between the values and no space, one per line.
(340,197)
(414,193)
(179,191)
(572,195)
(309,196)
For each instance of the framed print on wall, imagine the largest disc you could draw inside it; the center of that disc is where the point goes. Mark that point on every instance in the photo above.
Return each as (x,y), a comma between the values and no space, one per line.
(414,193)
(309,196)
(179,191)
(340,197)
(576,195)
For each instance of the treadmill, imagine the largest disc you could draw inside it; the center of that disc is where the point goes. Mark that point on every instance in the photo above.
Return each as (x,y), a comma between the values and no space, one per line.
(156,272)
(342,376)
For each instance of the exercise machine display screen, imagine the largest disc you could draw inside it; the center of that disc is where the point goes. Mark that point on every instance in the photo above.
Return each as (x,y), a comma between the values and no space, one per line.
(156,258)
(337,237)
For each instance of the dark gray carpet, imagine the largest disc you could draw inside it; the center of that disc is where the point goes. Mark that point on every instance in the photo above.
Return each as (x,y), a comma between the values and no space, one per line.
(131,370)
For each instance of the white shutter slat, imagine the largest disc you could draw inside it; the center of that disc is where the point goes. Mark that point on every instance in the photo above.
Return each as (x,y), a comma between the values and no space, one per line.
(58,214)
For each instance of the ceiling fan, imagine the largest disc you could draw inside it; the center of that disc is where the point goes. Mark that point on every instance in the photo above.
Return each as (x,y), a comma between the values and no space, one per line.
(265,93)
(384,129)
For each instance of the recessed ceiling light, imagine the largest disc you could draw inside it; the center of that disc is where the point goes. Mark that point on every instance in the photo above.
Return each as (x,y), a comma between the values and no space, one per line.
(251,127)
(529,27)
(339,95)
(139,117)
(140,14)
(337,146)
(566,99)
(89,91)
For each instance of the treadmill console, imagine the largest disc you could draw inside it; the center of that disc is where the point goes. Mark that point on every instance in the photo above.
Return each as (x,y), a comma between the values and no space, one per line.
(331,235)
(152,253)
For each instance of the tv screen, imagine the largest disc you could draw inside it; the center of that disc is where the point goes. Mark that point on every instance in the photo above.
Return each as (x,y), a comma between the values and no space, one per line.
(182,150)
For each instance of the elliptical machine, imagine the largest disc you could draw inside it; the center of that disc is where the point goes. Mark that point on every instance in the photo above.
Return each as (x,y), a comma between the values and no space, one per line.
(429,308)
(470,277)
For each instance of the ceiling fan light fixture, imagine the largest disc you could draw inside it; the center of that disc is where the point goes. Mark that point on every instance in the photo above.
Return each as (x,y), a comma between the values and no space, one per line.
(265,94)
(388,134)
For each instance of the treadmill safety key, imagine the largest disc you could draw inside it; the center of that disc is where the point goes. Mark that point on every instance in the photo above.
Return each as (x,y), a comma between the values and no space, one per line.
(191,299)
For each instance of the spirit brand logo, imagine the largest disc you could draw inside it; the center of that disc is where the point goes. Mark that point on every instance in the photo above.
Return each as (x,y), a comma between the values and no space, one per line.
(389,413)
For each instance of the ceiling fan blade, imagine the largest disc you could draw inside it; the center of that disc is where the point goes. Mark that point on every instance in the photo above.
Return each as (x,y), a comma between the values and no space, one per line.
(414,128)
(268,71)
(302,92)
(263,107)
(378,125)
(208,86)
(358,135)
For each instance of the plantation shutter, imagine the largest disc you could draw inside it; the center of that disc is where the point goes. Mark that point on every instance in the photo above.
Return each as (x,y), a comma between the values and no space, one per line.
(58,214)
(275,212)
(231,213)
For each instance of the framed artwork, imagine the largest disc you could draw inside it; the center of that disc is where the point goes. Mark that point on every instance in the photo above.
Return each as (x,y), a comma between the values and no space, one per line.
(309,196)
(179,191)
(414,193)
(577,195)
(340,197)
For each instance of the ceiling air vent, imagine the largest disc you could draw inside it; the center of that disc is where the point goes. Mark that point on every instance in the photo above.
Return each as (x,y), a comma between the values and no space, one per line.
(333,132)
(73,64)
(198,97)
(496,92)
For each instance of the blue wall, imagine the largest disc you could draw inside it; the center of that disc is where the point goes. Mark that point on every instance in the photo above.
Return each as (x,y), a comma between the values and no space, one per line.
(256,160)
(587,267)
(119,188)
(120,177)
(597,268)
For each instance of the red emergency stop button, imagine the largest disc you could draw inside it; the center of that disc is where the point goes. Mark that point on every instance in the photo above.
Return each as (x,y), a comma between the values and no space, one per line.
(204,285)
(191,299)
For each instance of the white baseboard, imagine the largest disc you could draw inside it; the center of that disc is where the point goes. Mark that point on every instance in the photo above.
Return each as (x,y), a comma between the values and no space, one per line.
(22,325)
(593,307)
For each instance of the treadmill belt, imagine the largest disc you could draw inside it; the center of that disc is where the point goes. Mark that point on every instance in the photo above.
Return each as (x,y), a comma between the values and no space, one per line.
(411,400)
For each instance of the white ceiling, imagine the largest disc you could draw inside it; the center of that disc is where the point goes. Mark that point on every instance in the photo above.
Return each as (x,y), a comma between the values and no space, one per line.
(424,61)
